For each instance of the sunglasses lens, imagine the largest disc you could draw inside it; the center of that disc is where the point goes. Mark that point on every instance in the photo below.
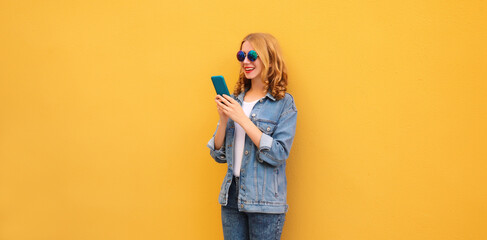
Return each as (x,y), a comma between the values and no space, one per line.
(252,55)
(241,56)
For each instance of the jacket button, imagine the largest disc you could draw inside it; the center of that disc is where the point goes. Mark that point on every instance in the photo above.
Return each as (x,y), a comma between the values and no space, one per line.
(261,100)
(222,157)
(253,114)
(246,152)
(268,129)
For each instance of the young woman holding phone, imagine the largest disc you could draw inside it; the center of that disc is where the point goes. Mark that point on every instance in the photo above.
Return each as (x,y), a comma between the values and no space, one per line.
(254,137)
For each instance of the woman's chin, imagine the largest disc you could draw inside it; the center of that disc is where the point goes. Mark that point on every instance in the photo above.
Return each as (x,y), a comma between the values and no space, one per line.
(250,76)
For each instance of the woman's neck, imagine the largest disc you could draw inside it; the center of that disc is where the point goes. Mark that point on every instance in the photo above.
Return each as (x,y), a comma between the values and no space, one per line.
(256,90)
(257,85)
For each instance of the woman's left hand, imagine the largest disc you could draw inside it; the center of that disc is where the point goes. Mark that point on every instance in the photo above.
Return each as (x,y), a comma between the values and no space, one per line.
(231,108)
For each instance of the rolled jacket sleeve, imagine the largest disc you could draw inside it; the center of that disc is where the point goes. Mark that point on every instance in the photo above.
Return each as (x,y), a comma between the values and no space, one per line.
(275,149)
(217,154)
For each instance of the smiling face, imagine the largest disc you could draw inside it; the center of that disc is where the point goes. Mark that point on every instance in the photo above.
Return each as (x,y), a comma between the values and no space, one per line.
(252,70)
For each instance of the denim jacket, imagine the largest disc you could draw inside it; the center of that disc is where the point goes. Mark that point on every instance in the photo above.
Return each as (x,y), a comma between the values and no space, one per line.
(263,184)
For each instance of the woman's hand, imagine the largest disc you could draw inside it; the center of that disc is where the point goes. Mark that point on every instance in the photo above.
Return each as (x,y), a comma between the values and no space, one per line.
(223,116)
(230,108)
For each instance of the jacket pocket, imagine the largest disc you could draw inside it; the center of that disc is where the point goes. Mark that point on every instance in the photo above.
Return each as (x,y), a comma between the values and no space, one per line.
(266,126)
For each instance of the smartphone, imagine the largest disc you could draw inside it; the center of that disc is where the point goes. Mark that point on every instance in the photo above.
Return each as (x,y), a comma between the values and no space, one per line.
(220,85)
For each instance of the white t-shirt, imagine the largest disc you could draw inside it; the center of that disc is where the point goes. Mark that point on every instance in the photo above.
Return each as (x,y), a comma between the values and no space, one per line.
(239,140)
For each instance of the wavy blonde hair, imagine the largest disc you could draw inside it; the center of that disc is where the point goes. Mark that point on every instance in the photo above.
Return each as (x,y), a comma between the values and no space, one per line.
(274,73)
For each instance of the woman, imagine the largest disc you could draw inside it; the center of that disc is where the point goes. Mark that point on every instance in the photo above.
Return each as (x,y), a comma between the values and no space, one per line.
(254,137)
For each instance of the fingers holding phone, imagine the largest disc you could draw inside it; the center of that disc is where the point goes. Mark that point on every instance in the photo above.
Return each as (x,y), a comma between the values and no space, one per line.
(219,107)
(221,89)
(230,108)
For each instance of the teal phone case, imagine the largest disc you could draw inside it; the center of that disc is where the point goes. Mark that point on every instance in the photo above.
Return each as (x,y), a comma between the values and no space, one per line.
(220,85)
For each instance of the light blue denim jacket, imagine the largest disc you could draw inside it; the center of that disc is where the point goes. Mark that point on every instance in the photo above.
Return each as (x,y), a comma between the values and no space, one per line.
(262,174)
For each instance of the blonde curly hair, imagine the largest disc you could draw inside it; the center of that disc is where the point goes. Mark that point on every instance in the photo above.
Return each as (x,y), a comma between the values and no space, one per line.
(274,73)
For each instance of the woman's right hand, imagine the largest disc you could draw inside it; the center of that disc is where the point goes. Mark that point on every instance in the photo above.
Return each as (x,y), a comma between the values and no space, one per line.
(220,133)
(223,116)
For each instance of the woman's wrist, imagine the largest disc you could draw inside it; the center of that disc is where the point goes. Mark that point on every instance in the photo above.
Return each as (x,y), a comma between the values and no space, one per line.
(251,130)
(242,120)
(245,122)
(223,121)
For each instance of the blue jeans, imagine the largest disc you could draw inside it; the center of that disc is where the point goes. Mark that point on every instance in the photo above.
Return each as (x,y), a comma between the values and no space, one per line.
(241,225)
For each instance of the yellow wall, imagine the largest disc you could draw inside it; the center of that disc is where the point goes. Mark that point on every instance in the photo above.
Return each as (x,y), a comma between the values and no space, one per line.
(106,108)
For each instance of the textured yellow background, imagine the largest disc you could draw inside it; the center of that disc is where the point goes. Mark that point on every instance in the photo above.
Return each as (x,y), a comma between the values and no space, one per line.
(106,108)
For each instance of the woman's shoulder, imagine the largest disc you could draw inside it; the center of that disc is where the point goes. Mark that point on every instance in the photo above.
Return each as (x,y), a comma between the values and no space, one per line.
(288,102)
(288,97)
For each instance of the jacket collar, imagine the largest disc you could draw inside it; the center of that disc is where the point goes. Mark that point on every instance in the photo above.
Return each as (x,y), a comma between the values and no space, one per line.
(240,97)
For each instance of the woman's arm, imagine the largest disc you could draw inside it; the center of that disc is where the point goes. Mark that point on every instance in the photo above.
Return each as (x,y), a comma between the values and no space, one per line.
(220,134)
(252,131)
(218,154)
(216,143)
(222,126)
(233,110)
(272,150)
(275,149)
